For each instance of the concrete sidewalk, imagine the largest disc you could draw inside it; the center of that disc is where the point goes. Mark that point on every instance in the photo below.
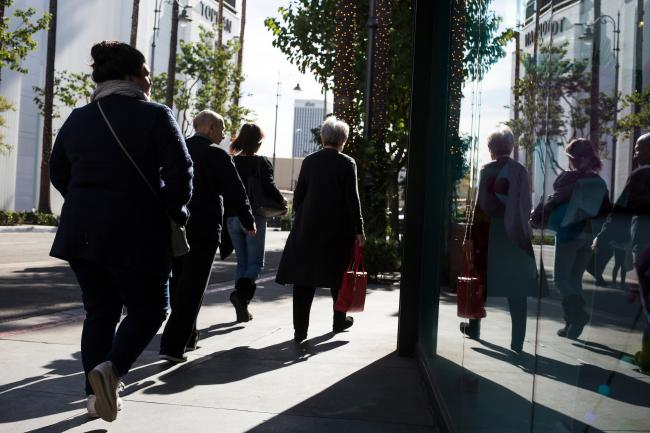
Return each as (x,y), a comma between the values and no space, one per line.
(244,377)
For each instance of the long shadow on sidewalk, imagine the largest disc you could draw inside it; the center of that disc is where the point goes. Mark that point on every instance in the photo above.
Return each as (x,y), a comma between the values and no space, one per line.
(613,384)
(240,363)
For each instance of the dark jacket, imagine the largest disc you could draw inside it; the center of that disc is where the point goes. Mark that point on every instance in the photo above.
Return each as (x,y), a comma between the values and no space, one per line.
(258,166)
(563,188)
(109,215)
(327,218)
(630,218)
(215,180)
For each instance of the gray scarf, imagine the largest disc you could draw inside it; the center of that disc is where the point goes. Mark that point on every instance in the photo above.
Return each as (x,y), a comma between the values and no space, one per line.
(118,87)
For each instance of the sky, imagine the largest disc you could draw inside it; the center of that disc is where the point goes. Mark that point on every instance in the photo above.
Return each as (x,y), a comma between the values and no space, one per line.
(263,64)
(494,90)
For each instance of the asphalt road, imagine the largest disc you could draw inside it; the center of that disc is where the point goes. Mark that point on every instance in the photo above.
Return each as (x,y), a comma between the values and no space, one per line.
(33,283)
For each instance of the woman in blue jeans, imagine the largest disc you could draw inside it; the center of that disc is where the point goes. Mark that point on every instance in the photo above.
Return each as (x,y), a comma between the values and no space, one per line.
(249,249)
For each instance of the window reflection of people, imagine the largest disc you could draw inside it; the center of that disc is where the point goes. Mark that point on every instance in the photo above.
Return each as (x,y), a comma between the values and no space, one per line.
(501,236)
(579,196)
(630,222)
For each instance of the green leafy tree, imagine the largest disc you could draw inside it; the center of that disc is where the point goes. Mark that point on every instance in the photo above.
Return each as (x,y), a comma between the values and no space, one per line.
(16,41)
(210,81)
(17,35)
(554,101)
(71,89)
(638,118)
(307,32)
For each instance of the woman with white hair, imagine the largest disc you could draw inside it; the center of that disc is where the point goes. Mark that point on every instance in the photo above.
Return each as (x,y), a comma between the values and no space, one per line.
(500,236)
(326,224)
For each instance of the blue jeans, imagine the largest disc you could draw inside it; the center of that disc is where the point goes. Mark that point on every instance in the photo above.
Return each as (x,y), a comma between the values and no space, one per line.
(249,249)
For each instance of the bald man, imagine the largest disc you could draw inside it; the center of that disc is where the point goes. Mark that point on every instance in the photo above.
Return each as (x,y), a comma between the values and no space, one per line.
(215,178)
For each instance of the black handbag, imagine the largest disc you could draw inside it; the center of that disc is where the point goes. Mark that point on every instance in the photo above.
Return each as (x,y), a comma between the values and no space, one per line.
(179,244)
(261,203)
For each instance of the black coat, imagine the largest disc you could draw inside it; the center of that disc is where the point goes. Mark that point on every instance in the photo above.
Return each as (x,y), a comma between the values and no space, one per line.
(109,215)
(327,218)
(257,166)
(215,180)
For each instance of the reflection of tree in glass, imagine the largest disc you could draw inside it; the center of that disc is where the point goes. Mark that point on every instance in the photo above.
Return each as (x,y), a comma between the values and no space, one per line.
(554,102)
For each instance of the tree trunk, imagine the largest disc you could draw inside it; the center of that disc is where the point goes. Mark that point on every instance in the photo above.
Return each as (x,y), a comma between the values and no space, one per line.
(44,194)
(393,203)
(134,22)
(456,58)
(2,17)
(171,68)
(240,54)
(344,71)
(379,182)
(220,25)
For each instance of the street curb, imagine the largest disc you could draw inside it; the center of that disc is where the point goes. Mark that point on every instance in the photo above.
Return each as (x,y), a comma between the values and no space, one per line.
(28,229)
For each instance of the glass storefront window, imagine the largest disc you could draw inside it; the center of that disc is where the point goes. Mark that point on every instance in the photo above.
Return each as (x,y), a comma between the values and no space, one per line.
(551,208)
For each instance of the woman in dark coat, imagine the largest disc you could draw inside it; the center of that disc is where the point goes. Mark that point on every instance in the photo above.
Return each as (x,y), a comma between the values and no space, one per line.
(327,222)
(113,231)
(579,196)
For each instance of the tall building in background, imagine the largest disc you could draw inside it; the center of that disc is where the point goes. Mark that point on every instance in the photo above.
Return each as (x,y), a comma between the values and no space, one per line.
(307,115)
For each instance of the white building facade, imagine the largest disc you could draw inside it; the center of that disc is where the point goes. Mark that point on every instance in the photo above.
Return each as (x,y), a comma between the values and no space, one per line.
(564,22)
(307,115)
(79,26)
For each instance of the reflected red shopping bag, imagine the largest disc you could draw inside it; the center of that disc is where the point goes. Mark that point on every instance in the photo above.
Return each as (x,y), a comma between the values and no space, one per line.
(470,291)
(352,293)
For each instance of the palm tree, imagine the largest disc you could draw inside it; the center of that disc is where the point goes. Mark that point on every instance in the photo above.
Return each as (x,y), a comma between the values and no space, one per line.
(220,25)
(171,69)
(134,22)
(44,195)
(240,53)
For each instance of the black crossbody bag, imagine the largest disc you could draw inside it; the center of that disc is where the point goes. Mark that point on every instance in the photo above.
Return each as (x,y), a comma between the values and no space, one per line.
(179,244)
(261,203)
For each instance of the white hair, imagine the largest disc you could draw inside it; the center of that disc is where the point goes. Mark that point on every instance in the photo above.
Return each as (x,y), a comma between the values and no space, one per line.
(501,142)
(334,132)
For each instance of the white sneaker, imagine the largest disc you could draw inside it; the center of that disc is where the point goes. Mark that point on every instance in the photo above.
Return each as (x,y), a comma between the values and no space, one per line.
(90,405)
(172,358)
(106,386)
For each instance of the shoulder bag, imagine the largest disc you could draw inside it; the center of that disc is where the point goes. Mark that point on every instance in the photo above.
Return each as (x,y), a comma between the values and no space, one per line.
(261,203)
(179,244)
(470,290)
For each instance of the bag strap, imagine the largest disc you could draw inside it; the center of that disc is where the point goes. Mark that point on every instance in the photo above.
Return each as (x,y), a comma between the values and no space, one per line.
(128,155)
(360,264)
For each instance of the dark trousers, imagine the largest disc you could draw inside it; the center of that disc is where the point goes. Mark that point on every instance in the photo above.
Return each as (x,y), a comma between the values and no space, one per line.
(104,290)
(302,300)
(190,276)
(619,264)
(518,306)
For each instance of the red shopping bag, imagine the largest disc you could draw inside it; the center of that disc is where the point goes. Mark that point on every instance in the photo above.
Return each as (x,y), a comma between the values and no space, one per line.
(470,291)
(352,293)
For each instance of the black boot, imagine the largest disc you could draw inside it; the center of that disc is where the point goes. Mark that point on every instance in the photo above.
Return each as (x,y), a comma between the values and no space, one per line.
(238,300)
(578,316)
(565,309)
(471,329)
